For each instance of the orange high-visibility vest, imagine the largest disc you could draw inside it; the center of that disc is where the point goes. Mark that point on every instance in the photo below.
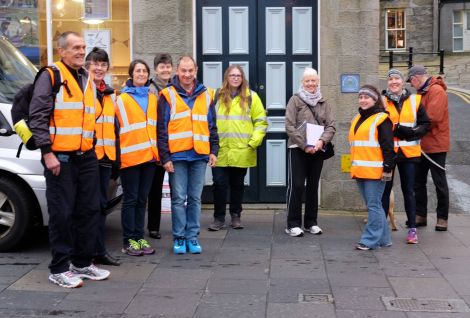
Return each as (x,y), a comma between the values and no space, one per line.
(72,125)
(138,131)
(366,154)
(104,128)
(188,128)
(407,117)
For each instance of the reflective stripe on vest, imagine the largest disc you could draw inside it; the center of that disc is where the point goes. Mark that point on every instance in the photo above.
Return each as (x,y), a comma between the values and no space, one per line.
(188,128)
(105,128)
(138,131)
(72,123)
(366,154)
(407,118)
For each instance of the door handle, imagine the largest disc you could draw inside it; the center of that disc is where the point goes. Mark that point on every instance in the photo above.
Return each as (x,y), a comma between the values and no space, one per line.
(261,86)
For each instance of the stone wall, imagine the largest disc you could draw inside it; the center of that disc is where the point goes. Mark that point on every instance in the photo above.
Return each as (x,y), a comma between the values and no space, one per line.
(162,26)
(349,43)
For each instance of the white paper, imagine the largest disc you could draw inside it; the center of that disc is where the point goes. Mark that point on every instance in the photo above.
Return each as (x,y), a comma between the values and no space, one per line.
(314,133)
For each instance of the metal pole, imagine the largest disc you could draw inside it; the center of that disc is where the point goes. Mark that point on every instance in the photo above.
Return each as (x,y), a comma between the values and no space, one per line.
(390,60)
(410,57)
(49,38)
(441,63)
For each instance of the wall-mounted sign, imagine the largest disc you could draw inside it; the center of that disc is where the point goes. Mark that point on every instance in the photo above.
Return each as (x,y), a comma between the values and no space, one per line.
(96,10)
(350,83)
(98,38)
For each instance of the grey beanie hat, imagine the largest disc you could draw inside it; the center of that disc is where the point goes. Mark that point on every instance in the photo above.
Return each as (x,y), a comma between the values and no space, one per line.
(395,73)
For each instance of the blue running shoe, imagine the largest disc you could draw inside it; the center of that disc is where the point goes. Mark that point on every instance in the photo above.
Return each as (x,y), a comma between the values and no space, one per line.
(194,247)
(179,246)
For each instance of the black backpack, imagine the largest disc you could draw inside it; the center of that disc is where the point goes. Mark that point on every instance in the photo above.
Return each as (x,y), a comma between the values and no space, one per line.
(22,100)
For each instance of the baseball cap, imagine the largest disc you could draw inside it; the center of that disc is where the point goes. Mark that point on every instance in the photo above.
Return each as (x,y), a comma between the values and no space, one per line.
(415,70)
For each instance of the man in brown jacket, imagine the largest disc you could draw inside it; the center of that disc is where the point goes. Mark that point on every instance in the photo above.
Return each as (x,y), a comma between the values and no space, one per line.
(434,145)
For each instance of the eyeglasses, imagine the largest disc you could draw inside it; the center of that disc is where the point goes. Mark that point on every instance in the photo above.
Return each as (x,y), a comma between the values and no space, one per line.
(235,75)
(103,65)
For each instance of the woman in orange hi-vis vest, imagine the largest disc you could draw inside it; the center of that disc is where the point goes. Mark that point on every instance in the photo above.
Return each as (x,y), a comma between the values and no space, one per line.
(410,123)
(137,114)
(97,63)
(372,162)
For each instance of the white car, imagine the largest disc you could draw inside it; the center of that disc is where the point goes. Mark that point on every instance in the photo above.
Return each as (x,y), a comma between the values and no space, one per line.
(22,184)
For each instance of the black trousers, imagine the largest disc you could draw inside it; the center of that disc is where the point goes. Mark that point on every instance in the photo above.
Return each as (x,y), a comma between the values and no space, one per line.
(73,200)
(155,200)
(225,177)
(105,177)
(440,181)
(302,167)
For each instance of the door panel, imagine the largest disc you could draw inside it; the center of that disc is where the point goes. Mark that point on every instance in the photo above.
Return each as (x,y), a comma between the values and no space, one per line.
(273,41)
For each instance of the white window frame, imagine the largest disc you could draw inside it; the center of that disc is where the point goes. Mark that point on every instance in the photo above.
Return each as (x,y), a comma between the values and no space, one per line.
(395,29)
(461,23)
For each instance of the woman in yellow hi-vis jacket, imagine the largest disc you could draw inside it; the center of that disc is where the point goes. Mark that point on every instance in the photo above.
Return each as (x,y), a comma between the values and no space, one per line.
(241,124)
(372,163)
(137,114)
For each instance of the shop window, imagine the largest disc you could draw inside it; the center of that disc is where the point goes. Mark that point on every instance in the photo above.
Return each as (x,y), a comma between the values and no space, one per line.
(395,29)
(102,23)
(19,23)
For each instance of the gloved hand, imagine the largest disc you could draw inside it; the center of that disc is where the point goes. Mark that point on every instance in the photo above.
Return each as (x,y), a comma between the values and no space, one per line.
(403,132)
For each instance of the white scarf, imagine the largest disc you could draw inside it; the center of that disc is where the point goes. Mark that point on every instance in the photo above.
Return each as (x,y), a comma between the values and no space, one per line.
(309,98)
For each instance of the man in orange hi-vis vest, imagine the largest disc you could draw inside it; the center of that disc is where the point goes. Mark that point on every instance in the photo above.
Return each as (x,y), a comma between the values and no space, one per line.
(64,131)
(187,142)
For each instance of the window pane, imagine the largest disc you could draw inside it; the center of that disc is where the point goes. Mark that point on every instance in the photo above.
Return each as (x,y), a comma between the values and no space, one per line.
(401,39)
(458,30)
(401,19)
(392,39)
(391,19)
(468,20)
(458,44)
(457,16)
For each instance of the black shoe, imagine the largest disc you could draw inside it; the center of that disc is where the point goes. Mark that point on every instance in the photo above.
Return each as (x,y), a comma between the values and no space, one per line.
(106,260)
(155,235)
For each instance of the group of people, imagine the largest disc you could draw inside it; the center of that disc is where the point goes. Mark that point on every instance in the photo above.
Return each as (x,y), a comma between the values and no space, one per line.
(410,131)
(88,135)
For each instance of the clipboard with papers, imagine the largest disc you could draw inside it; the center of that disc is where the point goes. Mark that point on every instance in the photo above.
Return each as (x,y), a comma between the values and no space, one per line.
(313,133)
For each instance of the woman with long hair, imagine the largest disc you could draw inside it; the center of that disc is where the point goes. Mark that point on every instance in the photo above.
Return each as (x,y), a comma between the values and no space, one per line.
(241,124)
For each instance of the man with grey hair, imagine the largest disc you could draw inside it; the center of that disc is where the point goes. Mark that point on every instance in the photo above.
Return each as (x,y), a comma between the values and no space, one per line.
(63,126)
(434,145)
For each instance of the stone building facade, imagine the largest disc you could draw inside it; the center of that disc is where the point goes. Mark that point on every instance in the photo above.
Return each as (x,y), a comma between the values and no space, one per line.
(348,43)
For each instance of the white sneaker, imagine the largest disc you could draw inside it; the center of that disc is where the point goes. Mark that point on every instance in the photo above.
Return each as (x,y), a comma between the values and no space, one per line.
(314,230)
(294,231)
(66,279)
(90,272)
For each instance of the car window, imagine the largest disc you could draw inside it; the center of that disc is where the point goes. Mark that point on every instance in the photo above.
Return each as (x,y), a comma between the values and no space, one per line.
(15,71)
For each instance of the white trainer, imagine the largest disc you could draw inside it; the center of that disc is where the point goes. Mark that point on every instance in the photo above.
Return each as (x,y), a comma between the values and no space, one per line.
(66,279)
(294,231)
(314,230)
(90,272)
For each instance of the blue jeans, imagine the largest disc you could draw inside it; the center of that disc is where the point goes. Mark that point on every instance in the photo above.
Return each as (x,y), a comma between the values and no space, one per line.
(407,180)
(136,182)
(376,233)
(187,183)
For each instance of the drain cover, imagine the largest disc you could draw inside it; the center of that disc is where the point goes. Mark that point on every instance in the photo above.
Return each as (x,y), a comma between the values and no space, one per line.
(315,298)
(425,305)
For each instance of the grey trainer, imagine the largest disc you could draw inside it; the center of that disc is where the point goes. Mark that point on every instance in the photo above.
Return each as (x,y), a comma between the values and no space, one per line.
(216,225)
(236,223)
(66,279)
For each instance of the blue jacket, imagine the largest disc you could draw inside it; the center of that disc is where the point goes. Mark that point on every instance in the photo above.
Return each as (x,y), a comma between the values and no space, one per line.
(164,118)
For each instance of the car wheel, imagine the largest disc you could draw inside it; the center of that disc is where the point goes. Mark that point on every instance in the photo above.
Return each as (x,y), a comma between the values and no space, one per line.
(16,213)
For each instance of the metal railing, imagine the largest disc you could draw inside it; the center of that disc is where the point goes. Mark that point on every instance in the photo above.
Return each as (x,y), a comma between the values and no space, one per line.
(392,54)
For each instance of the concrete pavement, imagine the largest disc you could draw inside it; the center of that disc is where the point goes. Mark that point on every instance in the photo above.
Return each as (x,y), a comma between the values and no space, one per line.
(258,272)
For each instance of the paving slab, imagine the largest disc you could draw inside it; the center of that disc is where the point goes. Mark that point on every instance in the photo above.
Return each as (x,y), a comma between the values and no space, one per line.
(231,305)
(306,310)
(429,287)
(360,298)
(287,290)
(369,314)
(238,286)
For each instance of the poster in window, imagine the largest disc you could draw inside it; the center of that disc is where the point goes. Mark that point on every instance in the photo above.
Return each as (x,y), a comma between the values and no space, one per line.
(96,10)
(98,38)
